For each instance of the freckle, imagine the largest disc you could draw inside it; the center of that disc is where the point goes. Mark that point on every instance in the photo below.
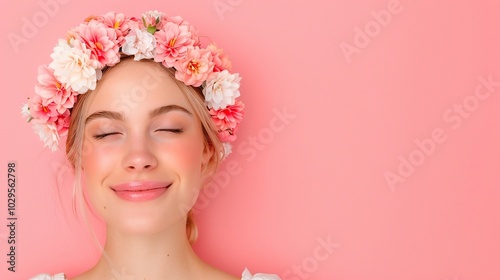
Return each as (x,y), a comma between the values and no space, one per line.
(104,207)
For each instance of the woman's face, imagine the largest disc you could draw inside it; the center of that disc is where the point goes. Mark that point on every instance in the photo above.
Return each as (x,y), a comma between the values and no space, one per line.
(143,149)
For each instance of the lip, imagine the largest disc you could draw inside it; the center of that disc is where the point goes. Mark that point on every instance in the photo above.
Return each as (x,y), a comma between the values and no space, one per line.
(141,191)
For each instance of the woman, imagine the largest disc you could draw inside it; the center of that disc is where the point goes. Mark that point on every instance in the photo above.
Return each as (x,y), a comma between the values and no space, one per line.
(148,114)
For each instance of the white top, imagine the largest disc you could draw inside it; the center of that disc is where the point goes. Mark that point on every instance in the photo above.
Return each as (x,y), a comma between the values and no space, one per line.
(246,275)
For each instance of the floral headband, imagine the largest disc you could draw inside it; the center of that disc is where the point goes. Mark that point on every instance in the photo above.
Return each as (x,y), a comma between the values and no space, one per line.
(100,41)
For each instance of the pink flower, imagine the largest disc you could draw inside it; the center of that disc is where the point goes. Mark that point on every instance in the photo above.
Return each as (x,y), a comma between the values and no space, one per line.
(221,59)
(121,24)
(172,43)
(62,123)
(50,89)
(227,135)
(228,117)
(195,68)
(181,22)
(152,20)
(227,120)
(47,122)
(101,41)
(64,102)
(44,110)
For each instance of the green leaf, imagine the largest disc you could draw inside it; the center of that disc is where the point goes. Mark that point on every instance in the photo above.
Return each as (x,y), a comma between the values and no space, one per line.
(152,29)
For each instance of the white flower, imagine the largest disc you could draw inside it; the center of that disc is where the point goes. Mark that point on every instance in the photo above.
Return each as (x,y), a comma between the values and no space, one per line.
(73,66)
(48,134)
(222,90)
(228,149)
(25,111)
(139,43)
(258,276)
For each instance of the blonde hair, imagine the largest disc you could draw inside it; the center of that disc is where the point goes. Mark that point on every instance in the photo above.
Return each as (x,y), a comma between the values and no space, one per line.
(74,142)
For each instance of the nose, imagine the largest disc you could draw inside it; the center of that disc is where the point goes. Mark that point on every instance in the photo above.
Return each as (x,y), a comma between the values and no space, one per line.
(139,157)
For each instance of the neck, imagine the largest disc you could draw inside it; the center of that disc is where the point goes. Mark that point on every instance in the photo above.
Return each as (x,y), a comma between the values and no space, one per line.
(162,255)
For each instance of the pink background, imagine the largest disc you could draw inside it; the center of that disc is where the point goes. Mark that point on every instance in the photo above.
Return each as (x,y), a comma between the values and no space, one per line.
(320,176)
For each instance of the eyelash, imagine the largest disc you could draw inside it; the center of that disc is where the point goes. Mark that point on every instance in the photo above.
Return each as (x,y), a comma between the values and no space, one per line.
(101,136)
(173,130)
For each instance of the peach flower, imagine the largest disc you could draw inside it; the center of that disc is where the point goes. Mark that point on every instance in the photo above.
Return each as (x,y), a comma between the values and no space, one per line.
(195,68)
(74,67)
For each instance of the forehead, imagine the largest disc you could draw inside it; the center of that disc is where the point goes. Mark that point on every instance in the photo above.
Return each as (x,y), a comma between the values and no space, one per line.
(132,86)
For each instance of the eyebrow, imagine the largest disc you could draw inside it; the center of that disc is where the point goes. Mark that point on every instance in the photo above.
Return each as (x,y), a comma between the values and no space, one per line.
(165,109)
(154,113)
(104,114)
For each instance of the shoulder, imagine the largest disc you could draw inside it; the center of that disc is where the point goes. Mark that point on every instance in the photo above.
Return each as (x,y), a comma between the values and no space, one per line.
(246,275)
(44,276)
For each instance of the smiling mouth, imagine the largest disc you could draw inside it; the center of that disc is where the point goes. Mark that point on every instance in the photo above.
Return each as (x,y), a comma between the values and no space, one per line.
(140,186)
(140,191)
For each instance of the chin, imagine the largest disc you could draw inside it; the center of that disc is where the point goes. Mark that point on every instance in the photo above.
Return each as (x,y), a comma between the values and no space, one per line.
(146,222)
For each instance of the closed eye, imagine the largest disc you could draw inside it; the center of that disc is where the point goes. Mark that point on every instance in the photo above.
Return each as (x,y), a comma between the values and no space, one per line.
(173,130)
(101,136)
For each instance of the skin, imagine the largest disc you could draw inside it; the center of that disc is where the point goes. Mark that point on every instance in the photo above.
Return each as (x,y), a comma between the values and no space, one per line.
(139,142)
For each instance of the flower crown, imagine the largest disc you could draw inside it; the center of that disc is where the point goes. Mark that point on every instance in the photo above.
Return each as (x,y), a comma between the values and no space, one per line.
(100,41)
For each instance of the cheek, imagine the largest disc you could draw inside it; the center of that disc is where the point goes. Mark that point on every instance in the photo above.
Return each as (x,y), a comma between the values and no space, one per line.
(189,155)
(96,163)
(187,161)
